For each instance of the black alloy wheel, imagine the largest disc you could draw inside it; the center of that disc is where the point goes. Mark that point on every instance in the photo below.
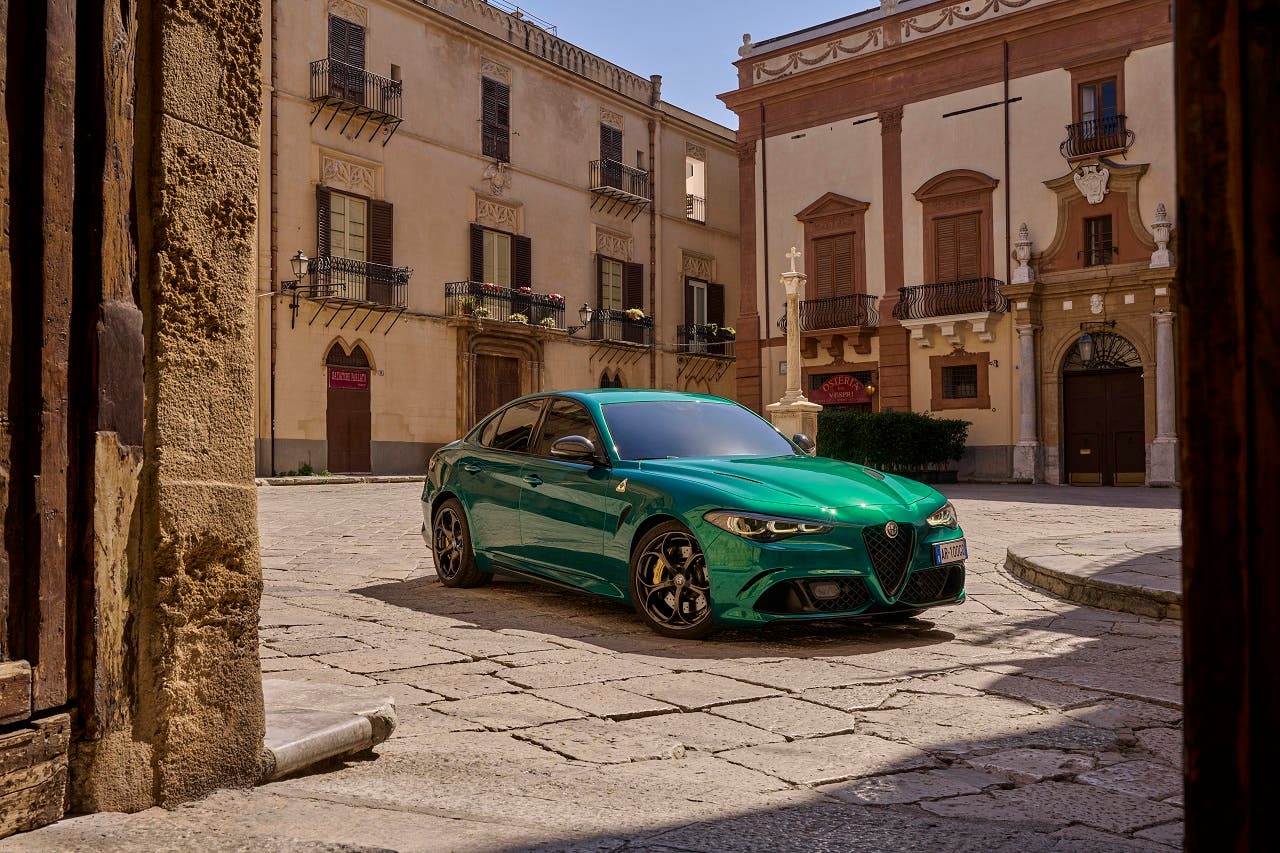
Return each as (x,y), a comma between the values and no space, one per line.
(451,546)
(670,587)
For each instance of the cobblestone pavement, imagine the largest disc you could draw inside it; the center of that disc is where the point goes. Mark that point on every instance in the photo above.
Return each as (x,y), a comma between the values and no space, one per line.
(536,719)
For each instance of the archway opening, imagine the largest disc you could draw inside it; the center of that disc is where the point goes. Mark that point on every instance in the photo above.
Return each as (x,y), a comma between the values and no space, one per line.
(1104,434)
(348,416)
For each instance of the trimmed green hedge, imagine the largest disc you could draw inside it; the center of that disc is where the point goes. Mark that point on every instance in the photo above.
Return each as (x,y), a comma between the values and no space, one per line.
(891,441)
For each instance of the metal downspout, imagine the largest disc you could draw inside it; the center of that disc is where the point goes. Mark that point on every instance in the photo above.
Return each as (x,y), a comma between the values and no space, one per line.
(274,243)
(766,376)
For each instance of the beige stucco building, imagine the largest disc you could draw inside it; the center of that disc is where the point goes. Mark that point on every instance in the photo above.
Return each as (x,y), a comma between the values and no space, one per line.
(903,149)
(431,159)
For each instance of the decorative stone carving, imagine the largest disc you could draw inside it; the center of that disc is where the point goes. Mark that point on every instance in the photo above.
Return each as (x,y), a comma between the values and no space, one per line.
(498,177)
(1095,303)
(888,7)
(1022,252)
(891,121)
(863,41)
(612,245)
(960,14)
(1091,180)
(695,151)
(1161,258)
(746,153)
(349,11)
(497,214)
(340,173)
(495,70)
(698,266)
(610,118)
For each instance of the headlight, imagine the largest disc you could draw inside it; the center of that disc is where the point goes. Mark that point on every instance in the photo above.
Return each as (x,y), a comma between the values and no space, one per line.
(763,528)
(944,516)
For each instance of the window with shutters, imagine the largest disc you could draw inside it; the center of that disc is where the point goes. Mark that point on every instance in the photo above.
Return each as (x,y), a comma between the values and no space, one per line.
(957,247)
(833,266)
(348,227)
(497,258)
(611,284)
(495,119)
(346,60)
(1098,247)
(1098,106)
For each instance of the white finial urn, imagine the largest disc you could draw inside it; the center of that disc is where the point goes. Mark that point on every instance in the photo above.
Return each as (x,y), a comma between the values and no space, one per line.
(1024,274)
(1161,258)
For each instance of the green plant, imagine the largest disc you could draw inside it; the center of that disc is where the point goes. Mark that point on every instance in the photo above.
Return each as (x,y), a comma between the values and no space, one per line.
(517,318)
(326,473)
(306,470)
(468,304)
(892,441)
(547,322)
(481,312)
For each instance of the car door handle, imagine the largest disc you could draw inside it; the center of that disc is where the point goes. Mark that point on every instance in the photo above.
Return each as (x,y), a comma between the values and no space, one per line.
(533,480)
(471,469)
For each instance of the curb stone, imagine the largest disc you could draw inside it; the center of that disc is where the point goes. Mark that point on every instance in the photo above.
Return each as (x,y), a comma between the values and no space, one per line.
(1063,568)
(337,480)
(308,724)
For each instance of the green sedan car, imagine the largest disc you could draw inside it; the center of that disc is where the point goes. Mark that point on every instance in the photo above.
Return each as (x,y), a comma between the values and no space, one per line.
(692,508)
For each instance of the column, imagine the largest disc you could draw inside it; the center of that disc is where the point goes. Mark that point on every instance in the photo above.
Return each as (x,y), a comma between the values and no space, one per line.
(1026,454)
(1163,465)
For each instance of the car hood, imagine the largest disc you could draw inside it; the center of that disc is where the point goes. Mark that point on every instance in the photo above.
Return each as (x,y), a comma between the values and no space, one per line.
(797,481)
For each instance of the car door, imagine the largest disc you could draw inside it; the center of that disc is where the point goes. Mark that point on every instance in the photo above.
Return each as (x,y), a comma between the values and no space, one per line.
(489,478)
(567,508)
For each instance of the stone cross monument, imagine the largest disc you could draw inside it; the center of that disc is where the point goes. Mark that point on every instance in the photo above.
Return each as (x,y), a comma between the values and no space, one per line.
(794,413)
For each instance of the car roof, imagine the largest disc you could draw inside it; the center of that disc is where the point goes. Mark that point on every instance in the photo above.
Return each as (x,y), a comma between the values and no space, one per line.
(604,396)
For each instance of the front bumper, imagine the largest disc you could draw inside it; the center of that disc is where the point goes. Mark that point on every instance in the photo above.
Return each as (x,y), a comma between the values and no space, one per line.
(832,576)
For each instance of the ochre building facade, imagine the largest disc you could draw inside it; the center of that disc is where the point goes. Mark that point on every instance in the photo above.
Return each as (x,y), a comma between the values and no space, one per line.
(984,194)
(463,183)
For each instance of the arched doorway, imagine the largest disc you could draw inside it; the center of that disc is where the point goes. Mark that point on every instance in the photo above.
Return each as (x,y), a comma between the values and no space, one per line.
(1103,426)
(348,422)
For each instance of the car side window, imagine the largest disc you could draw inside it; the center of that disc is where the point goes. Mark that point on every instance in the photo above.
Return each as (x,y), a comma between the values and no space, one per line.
(565,418)
(487,432)
(515,427)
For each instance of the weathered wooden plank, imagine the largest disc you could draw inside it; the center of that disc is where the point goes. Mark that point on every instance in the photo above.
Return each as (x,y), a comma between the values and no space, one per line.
(49,688)
(15,691)
(6,326)
(33,774)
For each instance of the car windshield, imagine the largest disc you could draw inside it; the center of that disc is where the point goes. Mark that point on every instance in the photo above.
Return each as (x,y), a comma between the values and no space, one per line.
(675,429)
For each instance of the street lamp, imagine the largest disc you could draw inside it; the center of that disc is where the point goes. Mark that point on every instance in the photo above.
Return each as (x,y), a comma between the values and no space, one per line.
(1084,348)
(300,263)
(584,315)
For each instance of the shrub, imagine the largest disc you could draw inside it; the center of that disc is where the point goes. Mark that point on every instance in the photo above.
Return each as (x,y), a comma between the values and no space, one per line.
(306,470)
(892,441)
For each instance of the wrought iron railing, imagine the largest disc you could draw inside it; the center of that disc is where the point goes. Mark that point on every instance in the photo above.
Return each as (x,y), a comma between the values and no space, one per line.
(855,310)
(695,208)
(1096,136)
(335,80)
(943,299)
(611,175)
(704,338)
(358,281)
(610,324)
(493,301)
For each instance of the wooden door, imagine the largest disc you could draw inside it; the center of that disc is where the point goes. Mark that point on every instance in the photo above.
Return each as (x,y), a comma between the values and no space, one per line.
(348,421)
(497,381)
(1103,424)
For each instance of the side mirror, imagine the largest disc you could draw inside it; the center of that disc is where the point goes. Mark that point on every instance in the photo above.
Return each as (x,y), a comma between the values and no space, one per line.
(575,448)
(804,443)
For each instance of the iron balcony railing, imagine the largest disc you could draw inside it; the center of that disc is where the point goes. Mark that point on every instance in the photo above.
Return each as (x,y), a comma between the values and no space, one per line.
(695,208)
(704,338)
(333,79)
(610,324)
(358,281)
(972,296)
(484,300)
(1097,136)
(611,177)
(855,310)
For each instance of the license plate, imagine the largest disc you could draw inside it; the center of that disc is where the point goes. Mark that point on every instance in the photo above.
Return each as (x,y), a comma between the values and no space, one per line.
(950,552)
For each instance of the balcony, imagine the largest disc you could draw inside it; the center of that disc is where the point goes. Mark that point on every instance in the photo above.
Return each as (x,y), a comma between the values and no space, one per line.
(1107,135)
(695,209)
(948,306)
(854,311)
(481,301)
(361,283)
(609,325)
(705,339)
(357,95)
(619,188)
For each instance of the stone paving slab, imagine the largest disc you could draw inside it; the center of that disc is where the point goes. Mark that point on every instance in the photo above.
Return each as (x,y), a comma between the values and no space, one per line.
(1137,573)
(830,759)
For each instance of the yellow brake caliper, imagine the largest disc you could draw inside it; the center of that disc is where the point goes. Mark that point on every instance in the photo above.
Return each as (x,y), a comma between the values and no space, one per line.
(657,568)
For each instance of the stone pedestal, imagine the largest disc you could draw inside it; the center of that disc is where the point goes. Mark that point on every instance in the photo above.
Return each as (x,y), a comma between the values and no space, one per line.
(792,418)
(1027,462)
(794,413)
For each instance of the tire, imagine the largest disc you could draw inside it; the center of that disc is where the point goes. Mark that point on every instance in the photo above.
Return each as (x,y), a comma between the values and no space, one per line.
(451,547)
(673,600)
(897,618)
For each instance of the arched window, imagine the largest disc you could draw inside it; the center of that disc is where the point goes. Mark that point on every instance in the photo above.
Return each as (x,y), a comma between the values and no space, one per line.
(1102,351)
(339,357)
(615,382)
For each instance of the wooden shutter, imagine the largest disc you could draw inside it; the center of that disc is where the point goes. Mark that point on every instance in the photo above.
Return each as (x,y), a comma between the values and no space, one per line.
(495,116)
(633,285)
(944,250)
(477,253)
(715,304)
(599,281)
(842,265)
(688,304)
(322,221)
(346,42)
(381,232)
(824,284)
(968,247)
(610,143)
(521,261)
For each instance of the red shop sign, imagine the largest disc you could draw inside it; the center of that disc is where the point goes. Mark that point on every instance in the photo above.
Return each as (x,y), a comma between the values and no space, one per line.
(348,379)
(842,389)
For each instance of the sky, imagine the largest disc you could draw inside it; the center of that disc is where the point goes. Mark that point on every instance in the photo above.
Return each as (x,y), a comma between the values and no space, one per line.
(691,43)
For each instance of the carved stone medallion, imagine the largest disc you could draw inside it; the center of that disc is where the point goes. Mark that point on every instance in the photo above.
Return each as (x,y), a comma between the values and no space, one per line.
(1092,180)
(340,173)
(497,177)
(497,214)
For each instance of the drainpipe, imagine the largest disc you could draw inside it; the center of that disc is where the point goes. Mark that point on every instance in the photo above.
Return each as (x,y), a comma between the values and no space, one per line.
(766,375)
(655,98)
(1008,214)
(274,243)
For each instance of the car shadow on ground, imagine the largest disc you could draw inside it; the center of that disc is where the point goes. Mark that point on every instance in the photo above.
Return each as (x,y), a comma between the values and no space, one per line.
(614,626)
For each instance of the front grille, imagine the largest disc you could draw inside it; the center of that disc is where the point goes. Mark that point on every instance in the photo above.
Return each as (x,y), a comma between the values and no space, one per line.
(933,584)
(890,556)
(796,597)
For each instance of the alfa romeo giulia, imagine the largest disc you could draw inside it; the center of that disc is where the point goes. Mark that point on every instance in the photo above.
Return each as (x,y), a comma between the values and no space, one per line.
(692,508)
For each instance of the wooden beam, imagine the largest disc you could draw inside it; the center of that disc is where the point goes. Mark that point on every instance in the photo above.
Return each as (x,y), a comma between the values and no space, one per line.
(6,327)
(15,691)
